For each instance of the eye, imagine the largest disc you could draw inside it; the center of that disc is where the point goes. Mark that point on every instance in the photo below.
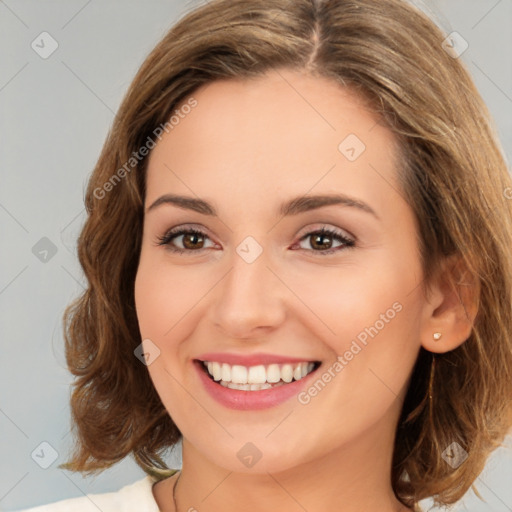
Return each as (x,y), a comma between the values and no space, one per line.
(192,240)
(322,241)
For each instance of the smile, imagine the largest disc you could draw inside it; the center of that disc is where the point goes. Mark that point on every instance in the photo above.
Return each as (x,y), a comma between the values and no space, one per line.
(259,377)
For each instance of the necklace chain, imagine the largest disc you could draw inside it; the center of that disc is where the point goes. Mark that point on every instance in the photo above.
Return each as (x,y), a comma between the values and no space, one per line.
(416,506)
(174,493)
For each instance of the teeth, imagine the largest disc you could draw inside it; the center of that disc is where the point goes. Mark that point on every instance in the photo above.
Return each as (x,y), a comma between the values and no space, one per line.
(226,372)
(215,370)
(257,387)
(257,374)
(287,373)
(273,373)
(244,387)
(239,374)
(254,378)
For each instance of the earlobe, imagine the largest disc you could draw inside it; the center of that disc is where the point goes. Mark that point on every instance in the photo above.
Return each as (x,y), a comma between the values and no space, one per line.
(451,308)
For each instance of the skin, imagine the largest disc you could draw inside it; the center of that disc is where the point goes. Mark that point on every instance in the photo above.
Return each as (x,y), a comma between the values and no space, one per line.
(247,147)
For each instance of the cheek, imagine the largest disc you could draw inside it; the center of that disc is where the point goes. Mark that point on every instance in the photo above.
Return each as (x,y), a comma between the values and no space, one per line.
(343,304)
(380,346)
(161,301)
(163,296)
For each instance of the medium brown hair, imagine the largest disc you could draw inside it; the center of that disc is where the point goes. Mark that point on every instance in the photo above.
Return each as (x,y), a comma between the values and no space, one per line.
(452,174)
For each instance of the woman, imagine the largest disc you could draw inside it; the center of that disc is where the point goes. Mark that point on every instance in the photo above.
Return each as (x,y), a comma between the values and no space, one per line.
(298,256)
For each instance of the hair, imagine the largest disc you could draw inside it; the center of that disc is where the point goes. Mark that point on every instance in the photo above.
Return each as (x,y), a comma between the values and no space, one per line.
(451,171)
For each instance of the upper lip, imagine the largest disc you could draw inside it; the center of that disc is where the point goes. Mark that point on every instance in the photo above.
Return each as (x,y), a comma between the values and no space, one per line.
(252,359)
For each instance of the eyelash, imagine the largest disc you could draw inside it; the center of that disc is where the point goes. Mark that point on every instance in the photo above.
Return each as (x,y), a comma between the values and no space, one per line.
(173,233)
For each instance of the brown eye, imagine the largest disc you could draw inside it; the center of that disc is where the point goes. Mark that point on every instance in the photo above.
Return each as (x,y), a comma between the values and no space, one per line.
(192,240)
(322,241)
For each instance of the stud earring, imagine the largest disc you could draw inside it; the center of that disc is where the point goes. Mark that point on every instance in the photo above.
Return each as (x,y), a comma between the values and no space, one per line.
(437,335)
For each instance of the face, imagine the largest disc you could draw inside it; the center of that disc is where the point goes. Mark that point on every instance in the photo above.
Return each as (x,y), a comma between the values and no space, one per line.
(264,277)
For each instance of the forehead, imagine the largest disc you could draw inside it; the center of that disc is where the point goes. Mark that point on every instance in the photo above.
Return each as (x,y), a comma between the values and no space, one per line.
(282,134)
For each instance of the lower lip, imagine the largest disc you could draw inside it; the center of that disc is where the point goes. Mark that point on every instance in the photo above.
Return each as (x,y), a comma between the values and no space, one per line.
(251,400)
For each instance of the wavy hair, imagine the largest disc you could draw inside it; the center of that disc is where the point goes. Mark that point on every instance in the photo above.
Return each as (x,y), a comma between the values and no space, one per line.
(452,172)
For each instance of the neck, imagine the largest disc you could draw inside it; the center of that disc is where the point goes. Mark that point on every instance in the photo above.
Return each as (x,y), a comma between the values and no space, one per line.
(354,477)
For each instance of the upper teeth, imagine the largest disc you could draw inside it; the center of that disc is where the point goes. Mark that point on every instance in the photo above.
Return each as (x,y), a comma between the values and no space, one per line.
(260,374)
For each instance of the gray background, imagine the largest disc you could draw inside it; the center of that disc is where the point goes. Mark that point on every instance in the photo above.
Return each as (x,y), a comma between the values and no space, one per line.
(54,116)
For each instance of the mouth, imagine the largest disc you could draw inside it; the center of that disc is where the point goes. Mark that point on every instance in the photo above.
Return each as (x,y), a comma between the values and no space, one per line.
(258,377)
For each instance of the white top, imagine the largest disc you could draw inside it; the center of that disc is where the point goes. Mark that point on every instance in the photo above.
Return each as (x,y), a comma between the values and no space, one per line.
(136,497)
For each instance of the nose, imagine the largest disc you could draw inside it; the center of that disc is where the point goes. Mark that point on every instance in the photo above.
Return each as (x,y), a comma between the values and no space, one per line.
(249,301)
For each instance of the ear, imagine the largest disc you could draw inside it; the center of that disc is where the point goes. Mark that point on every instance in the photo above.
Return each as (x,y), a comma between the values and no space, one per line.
(450,307)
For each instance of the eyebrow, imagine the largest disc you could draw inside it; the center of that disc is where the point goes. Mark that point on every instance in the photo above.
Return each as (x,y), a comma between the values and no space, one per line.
(292,207)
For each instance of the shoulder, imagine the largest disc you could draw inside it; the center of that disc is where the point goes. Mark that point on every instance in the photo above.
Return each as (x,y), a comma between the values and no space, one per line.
(135,497)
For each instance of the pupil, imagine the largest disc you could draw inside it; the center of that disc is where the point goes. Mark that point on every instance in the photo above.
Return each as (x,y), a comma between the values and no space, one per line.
(320,240)
(193,237)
